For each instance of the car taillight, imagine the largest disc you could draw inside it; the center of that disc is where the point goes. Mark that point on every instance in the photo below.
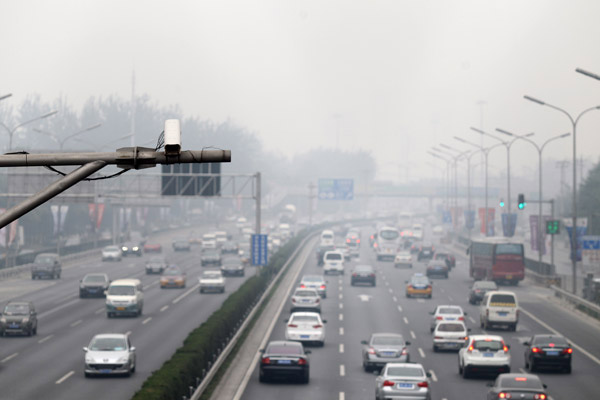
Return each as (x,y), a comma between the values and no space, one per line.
(505,348)
(404,351)
(535,350)
(470,349)
(302,286)
(423,384)
(317,326)
(347,240)
(322,286)
(266,360)
(429,286)
(438,337)
(568,351)
(461,318)
(357,240)
(292,326)
(388,383)
(375,244)
(504,395)
(439,318)
(371,350)
(540,396)
(410,286)
(301,361)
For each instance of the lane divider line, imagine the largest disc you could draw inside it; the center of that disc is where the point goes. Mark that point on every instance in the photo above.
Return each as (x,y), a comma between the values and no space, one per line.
(450,298)
(13,355)
(341,331)
(395,299)
(433,376)
(406,320)
(472,320)
(412,335)
(341,317)
(421,353)
(341,306)
(64,378)
(144,322)
(341,347)
(45,339)
(400,308)
(341,296)
(74,324)
(342,396)
(163,308)
(183,296)
(390,290)
(100,311)
(342,370)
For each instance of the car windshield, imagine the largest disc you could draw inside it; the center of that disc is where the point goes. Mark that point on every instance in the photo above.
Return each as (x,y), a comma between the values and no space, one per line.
(121,290)
(305,318)
(108,344)
(312,278)
(327,236)
(399,371)
(362,268)
(111,248)
(388,340)
(94,278)
(449,310)
(16,309)
(333,256)
(172,272)
(281,349)
(42,259)
(232,262)
(389,234)
(305,293)
(487,345)
(485,285)
(420,280)
(550,341)
(404,254)
(156,260)
(450,328)
(441,256)
(502,300)
(211,274)
(211,253)
(521,382)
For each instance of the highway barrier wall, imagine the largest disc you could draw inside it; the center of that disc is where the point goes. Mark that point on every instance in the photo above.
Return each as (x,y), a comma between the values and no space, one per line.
(188,366)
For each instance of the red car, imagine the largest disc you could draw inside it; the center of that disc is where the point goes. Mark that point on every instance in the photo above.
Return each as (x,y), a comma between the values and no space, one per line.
(152,248)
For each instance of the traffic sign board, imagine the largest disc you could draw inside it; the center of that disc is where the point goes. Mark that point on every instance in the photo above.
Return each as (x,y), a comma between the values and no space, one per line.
(336,189)
(552,227)
(260,249)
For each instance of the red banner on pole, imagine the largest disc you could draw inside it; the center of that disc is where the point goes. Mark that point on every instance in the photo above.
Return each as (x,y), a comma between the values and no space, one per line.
(96,212)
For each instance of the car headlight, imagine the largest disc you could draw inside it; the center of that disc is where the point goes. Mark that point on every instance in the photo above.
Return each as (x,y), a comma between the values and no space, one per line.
(124,248)
(136,248)
(89,360)
(123,359)
(3,320)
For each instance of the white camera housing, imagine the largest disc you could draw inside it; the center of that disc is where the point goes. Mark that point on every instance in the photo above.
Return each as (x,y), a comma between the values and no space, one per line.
(172,137)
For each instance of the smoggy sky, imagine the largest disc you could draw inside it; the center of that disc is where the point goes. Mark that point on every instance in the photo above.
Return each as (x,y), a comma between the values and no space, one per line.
(393,77)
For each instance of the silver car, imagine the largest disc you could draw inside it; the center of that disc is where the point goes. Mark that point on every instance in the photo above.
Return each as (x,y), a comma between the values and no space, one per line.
(306,300)
(316,282)
(109,354)
(446,313)
(383,348)
(403,381)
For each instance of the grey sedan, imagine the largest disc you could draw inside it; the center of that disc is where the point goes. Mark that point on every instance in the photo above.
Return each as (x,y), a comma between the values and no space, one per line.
(403,381)
(517,386)
(383,348)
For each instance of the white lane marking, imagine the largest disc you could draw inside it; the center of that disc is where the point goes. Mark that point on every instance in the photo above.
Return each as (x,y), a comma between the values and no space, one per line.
(412,334)
(127,333)
(450,298)
(64,378)
(74,324)
(341,296)
(341,331)
(406,320)
(364,297)
(387,284)
(545,325)
(13,355)
(340,288)
(400,308)
(394,298)
(341,347)
(163,308)
(45,339)
(433,376)
(342,396)
(100,311)
(342,370)
(144,322)
(390,290)
(340,281)
(421,353)
(183,296)
(341,306)
(52,311)
(472,320)
(341,317)
(156,282)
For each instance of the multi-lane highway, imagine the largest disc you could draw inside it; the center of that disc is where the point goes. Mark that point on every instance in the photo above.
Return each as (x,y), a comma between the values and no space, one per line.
(354,312)
(50,365)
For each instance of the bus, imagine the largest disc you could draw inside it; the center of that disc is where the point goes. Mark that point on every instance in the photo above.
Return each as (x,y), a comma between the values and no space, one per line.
(387,243)
(496,259)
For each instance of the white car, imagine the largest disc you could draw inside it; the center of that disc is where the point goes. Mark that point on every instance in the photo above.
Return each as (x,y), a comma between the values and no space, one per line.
(306,327)
(111,253)
(446,313)
(403,259)
(209,241)
(438,230)
(499,308)
(212,280)
(484,354)
(333,262)
(449,335)
(306,299)
(109,354)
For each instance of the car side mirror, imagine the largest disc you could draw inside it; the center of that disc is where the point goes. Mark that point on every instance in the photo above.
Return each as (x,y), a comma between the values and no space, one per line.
(464,313)
(81,280)
(85,349)
(132,349)
(286,320)
(431,313)
(261,351)
(376,373)
(507,346)
(363,342)
(324,321)
(407,343)
(489,384)
(467,251)
(307,351)
(526,344)
(428,374)
(545,386)
(468,329)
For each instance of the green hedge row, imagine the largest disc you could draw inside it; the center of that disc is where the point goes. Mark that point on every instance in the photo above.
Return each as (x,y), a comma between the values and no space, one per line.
(172,380)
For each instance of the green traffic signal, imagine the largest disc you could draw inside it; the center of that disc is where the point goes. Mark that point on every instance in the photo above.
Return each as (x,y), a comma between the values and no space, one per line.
(501,202)
(521,201)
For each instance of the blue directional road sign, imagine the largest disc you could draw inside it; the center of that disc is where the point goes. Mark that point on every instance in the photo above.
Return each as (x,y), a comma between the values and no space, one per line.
(336,189)
(260,249)
(591,242)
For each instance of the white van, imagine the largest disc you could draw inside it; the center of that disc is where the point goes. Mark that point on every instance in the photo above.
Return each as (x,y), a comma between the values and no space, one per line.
(327,238)
(333,262)
(209,241)
(124,297)
(499,308)
(221,237)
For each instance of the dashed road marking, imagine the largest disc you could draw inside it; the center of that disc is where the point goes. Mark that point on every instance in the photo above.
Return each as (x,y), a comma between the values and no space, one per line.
(13,355)
(420,301)
(341,296)
(74,324)
(342,396)
(341,331)
(163,308)
(342,370)
(400,308)
(433,376)
(472,320)
(100,310)
(450,298)
(64,378)
(144,322)
(387,283)
(406,320)
(390,290)
(181,297)
(394,298)
(45,339)
(341,306)
(421,353)
(412,334)
(341,317)
(341,347)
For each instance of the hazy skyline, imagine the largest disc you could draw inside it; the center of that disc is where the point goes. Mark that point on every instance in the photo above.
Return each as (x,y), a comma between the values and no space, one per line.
(398,76)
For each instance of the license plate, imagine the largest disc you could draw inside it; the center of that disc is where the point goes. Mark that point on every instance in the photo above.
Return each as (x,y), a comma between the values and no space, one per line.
(552,353)
(13,326)
(488,354)
(388,354)
(450,319)
(502,313)
(120,308)
(304,336)
(105,371)
(306,301)
(287,362)
(405,385)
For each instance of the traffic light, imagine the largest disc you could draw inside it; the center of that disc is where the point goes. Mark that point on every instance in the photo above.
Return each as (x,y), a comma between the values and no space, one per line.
(522,202)
(501,202)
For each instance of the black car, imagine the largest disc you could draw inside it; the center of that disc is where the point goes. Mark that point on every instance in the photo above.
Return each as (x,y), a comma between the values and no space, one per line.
(18,317)
(93,285)
(479,289)
(321,250)
(517,386)
(46,265)
(426,251)
(232,267)
(363,274)
(284,359)
(447,257)
(437,268)
(131,248)
(229,248)
(548,351)
(210,257)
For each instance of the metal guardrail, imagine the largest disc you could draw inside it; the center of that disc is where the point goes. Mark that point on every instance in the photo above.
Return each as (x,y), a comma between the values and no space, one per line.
(227,350)
(579,303)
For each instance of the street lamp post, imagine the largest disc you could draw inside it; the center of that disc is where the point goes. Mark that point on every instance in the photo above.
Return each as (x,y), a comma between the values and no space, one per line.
(6,96)
(12,131)
(447,183)
(574,122)
(455,158)
(588,73)
(539,149)
(61,142)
